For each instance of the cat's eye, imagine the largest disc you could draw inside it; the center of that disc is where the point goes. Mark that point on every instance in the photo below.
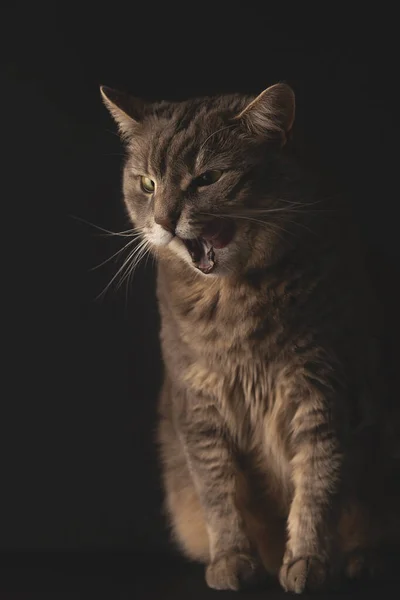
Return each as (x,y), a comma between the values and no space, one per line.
(147,184)
(208,178)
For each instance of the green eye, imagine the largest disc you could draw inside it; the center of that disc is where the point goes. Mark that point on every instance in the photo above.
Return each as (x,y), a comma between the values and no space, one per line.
(147,184)
(208,178)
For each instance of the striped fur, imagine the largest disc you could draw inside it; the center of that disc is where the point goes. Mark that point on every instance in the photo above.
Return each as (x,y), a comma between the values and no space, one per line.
(273,394)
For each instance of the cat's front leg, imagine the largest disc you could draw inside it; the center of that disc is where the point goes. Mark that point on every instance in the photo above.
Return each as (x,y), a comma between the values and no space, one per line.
(316,476)
(211,463)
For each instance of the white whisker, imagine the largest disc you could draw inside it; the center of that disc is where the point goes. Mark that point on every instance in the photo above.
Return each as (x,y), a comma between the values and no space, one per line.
(139,252)
(126,233)
(123,266)
(116,253)
(145,251)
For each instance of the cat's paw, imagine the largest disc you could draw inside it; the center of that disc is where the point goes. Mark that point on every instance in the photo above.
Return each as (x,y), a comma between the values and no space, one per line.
(365,564)
(233,571)
(303,573)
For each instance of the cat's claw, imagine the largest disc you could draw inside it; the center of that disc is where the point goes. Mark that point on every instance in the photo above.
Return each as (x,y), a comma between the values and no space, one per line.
(303,573)
(233,571)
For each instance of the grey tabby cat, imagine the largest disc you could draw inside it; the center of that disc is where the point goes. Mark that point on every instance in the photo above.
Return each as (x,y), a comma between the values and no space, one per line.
(273,417)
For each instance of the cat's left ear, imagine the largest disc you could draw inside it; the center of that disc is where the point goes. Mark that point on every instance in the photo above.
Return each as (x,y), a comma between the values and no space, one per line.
(125,110)
(271,112)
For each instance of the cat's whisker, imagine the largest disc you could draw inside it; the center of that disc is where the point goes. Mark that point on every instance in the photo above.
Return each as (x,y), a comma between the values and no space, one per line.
(277,229)
(148,253)
(262,222)
(154,256)
(268,211)
(297,203)
(140,252)
(126,233)
(244,217)
(115,254)
(298,207)
(145,251)
(132,267)
(266,224)
(121,269)
(300,224)
(112,132)
(127,266)
(215,133)
(123,266)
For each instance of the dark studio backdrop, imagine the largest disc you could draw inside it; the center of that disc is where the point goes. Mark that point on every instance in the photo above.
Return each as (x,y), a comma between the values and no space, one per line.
(79,466)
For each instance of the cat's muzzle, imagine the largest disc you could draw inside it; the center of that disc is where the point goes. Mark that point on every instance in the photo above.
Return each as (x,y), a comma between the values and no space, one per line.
(217,234)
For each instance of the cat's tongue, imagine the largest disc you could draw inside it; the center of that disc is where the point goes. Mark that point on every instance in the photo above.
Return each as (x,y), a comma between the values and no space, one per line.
(216,234)
(202,254)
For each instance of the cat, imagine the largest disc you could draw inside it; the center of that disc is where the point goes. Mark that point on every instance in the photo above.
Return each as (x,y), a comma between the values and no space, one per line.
(273,414)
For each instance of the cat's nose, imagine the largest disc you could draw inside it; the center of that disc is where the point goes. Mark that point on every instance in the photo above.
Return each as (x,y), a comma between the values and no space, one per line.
(167,223)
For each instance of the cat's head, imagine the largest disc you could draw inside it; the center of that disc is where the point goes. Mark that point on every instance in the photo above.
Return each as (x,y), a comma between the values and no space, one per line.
(202,176)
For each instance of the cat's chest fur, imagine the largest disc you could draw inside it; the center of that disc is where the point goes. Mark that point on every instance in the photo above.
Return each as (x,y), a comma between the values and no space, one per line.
(211,352)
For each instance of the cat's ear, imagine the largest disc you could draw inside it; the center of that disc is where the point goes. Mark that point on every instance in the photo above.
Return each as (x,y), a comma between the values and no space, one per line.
(272,111)
(125,110)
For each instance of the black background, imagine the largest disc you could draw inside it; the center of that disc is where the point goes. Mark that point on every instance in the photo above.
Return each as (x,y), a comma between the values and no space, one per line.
(79,469)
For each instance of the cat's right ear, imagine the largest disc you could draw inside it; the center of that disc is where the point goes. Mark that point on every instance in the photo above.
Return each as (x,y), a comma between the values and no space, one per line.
(126,111)
(270,113)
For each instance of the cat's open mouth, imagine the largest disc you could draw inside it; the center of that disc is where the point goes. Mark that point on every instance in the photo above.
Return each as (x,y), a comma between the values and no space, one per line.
(217,234)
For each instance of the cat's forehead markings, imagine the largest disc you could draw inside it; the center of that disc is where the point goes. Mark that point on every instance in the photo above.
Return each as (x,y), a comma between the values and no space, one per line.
(185,181)
(199,158)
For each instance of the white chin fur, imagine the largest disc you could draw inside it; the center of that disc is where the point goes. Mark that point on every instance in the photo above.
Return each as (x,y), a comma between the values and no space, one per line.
(158,236)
